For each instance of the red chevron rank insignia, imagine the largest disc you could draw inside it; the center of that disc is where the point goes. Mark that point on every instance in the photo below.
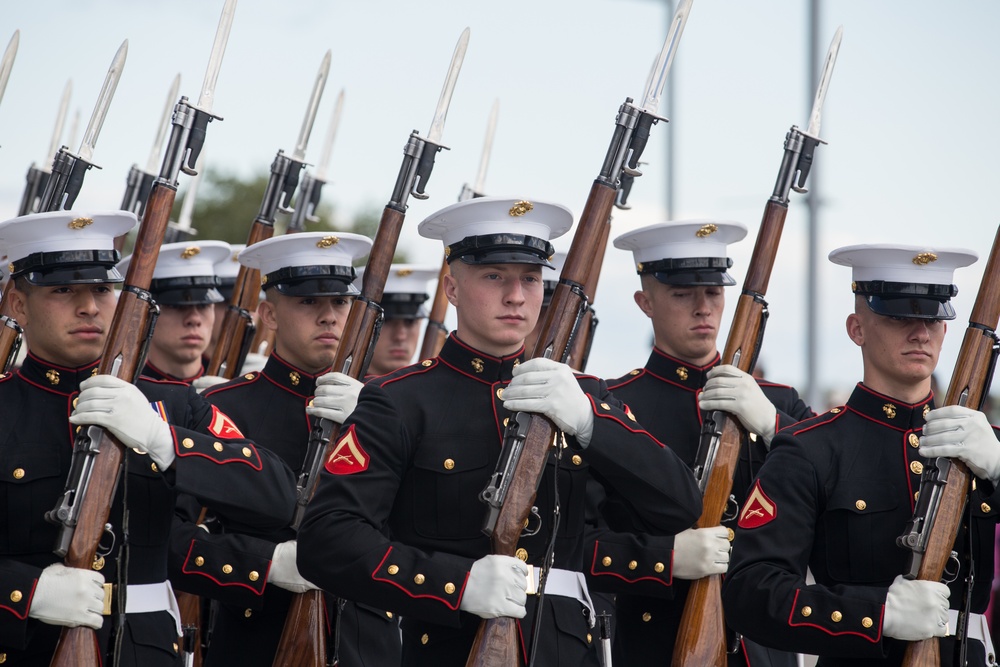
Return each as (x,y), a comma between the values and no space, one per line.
(222,426)
(758,510)
(348,457)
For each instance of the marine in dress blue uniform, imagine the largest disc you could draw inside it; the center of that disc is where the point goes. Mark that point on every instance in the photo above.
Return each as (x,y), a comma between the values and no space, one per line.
(683,267)
(312,273)
(402,303)
(64,267)
(837,490)
(396,521)
(185,287)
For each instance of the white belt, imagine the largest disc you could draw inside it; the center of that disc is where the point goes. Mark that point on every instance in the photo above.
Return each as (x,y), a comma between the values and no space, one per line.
(978,629)
(146,598)
(564,583)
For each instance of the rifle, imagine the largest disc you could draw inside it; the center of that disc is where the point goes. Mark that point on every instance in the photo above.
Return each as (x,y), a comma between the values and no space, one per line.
(306,206)
(945,483)
(701,637)
(528,438)
(303,639)
(7,62)
(238,327)
(83,509)
(435,333)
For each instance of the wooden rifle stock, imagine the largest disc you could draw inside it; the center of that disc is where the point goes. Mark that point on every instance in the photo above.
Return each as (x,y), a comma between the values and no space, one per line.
(969,385)
(246,295)
(122,356)
(701,636)
(496,643)
(435,333)
(585,335)
(303,639)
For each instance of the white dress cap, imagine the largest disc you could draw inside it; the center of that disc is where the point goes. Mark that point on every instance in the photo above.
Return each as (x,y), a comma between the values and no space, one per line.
(903,280)
(684,252)
(304,264)
(405,289)
(227,267)
(37,244)
(498,230)
(187,259)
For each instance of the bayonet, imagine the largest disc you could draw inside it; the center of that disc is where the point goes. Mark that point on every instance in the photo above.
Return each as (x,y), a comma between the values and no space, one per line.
(103,103)
(312,185)
(153,163)
(139,183)
(654,88)
(331,134)
(57,131)
(299,154)
(477,189)
(815,116)
(38,176)
(7,64)
(207,98)
(441,113)
(74,129)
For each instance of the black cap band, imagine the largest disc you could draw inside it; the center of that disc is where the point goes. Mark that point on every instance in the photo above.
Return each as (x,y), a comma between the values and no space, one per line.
(403,305)
(316,280)
(885,288)
(68,267)
(922,301)
(690,271)
(185,290)
(501,249)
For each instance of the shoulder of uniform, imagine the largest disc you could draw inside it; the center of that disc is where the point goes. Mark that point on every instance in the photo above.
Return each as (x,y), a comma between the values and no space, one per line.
(235,383)
(632,375)
(815,422)
(418,368)
(775,385)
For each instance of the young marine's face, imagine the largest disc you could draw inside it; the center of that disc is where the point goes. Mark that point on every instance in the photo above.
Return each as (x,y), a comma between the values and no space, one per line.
(899,354)
(397,343)
(685,319)
(497,304)
(181,335)
(65,324)
(307,328)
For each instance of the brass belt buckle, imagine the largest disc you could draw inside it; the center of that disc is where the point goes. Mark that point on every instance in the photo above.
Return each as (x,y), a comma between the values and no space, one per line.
(532,588)
(108,593)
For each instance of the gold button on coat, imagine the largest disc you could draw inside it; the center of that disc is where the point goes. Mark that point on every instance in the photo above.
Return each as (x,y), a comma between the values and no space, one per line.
(867,622)
(419,579)
(914,440)
(199,561)
(500,393)
(605,406)
(254,575)
(807,611)
(647,617)
(426,362)
(227,569)
(187,443)
(218,447)
(248,613)
(152,466)
(248,376)
(388,614)
(18,473)
(449,588)
(606,561)
(590,638)
(392,569)
(98,563)
(15,596)
(658,568)
(577,460)
(836,616)
(247,452)
(861,504)
(3,658)
(522,554)
(632,565)
(424,639)
(449,464)
(916,467)
(985,508)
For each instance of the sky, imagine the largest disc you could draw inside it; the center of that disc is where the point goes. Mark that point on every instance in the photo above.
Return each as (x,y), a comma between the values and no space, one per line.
(911,154)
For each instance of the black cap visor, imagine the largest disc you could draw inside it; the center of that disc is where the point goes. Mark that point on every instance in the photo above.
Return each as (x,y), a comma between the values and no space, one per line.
(910,307)
(185,290)
(690,271)
(404,306)
(69,267)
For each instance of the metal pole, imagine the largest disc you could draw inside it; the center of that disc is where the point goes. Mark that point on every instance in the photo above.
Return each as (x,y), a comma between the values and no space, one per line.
(812,202)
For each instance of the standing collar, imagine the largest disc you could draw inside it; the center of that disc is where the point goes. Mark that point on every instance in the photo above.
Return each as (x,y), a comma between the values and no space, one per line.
(288,377)
(889,411)
(479,365)
(676,371)
(149,370)
(53,377)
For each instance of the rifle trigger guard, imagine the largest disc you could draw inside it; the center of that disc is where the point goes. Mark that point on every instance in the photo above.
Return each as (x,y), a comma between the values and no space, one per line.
(951,568)
(732,509)
(529,529)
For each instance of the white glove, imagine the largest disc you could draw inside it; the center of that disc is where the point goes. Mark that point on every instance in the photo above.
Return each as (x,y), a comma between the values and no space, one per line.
(964,434)
(207,382)
(497,586)
(253,363)
(731,390)
(284,573)
(547,387)
(916,610)
(120,407)
(69,596)
(336,397)
(701,552)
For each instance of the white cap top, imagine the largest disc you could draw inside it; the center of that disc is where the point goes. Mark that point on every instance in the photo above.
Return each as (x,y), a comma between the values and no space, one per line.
(229,266)
(405,278)
(681,239)
(305,249)
(187,259)
(903,263)
(61,231)
(502,223)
